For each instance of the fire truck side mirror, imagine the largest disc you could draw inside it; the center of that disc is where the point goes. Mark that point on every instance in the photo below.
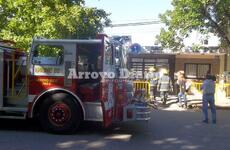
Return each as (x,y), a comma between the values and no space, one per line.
(117,62)
(60,58)
(99,63)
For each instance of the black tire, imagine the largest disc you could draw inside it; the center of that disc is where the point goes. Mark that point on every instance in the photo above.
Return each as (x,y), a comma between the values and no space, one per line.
(60,114)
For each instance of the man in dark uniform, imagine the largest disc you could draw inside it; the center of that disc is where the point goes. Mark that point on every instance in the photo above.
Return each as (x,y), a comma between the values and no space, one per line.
(153,77)
(164,85)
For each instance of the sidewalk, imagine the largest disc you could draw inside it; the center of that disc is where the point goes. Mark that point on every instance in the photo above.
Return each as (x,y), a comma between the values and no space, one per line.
(194,101)
(219,101)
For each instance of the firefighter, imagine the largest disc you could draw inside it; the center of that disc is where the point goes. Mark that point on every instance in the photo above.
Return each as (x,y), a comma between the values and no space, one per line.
(153,77)
(164,85)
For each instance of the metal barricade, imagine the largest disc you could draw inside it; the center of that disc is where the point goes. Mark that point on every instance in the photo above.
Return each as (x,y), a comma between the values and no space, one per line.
(227,89)
(196,86)
(142,85)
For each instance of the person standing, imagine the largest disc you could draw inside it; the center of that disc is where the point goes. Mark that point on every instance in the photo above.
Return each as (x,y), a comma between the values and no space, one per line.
(182,90)
(164,85)
(208,89)
(153,78)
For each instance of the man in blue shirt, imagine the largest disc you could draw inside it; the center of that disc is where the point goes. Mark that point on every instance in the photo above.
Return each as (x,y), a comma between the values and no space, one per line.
(208,88)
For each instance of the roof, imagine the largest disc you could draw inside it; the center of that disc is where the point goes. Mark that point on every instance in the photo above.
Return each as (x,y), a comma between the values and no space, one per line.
(90,41)
(199,55)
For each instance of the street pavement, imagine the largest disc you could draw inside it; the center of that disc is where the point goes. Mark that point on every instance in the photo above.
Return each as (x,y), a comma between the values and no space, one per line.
(171,128)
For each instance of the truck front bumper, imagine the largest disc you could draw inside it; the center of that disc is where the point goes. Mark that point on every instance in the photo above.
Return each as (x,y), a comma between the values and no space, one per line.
(137,112)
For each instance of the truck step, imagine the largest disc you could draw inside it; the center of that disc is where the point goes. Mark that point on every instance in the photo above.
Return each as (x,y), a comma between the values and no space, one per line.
(143,119)
(13,113)
(14,109)
(12,117)
(143,113)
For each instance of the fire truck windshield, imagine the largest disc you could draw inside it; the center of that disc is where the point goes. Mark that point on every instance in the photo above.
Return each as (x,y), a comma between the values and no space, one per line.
(48,55)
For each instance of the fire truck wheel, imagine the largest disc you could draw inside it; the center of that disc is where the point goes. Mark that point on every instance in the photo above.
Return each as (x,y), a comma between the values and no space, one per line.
(60,114)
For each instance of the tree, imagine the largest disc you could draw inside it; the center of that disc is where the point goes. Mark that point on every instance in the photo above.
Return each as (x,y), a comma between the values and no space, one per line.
(205,16)
(21,20)
(169,40)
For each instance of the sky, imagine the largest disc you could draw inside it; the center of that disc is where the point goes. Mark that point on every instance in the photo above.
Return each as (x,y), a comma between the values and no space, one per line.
(129,11)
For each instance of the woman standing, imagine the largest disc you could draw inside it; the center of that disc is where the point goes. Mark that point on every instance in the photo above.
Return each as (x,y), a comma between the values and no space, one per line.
(182,90)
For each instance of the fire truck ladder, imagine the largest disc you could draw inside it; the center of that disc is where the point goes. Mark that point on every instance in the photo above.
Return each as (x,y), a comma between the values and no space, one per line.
(15,74)
(15,90)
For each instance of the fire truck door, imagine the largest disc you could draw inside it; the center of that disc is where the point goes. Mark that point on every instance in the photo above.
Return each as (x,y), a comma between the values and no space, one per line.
(46,69)
(1,79)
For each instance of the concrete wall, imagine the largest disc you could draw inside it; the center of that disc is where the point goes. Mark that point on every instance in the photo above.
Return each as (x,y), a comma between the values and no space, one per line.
(227,62)
(222,63)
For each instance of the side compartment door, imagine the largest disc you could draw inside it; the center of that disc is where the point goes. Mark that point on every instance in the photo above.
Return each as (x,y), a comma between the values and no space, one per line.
(107,102)
(108,85)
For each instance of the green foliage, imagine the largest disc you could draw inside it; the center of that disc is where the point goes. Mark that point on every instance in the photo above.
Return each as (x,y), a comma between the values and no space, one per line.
(203,15)
(48,51)
(21,20)
(168,39)
(196,47)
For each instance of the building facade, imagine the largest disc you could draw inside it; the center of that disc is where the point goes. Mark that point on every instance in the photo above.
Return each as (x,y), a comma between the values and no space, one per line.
(195,66)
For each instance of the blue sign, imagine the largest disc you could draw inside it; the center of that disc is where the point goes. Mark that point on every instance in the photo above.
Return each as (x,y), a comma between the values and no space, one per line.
(135,48)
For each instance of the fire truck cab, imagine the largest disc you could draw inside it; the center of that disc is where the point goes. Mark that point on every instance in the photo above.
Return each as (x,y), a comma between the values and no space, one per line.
(61,83)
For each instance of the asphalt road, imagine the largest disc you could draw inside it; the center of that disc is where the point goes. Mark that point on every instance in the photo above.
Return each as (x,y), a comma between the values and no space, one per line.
(167,130)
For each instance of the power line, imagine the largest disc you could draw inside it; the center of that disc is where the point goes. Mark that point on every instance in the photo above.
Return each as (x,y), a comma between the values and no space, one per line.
(134,20)
(136,32)
(135,23)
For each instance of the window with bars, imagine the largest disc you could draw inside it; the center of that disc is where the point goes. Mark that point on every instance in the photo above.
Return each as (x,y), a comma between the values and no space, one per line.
(196,71)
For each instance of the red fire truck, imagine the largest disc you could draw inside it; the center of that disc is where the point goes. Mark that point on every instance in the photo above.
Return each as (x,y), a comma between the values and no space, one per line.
(39,85)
